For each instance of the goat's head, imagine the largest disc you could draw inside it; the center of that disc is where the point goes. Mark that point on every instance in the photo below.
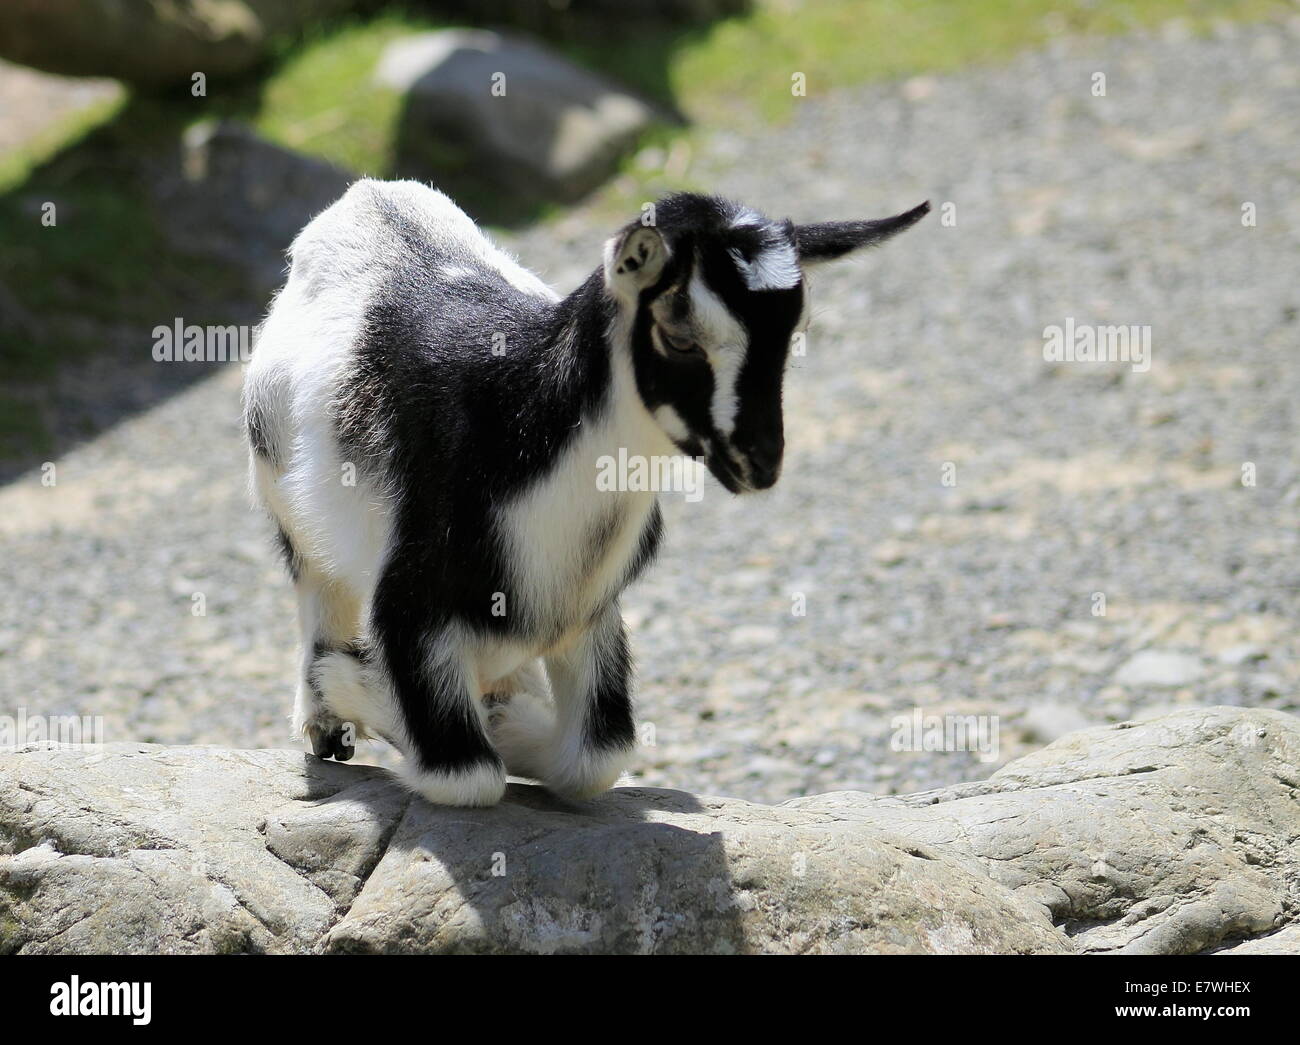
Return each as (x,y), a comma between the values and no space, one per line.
(711,293)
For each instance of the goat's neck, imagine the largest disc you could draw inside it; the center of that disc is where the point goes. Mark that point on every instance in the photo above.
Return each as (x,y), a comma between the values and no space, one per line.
(589,355)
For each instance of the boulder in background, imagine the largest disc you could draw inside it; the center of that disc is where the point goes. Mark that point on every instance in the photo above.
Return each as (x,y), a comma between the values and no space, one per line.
(485,108)
(238,198)
(153,43)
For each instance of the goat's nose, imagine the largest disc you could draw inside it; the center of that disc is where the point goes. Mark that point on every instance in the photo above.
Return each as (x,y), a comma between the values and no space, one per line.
(764,454)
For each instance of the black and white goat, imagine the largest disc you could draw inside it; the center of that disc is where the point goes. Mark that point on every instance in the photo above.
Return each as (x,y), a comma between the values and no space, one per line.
(426,418)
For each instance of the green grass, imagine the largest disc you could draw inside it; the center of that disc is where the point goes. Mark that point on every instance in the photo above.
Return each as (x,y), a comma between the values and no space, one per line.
(321,99)
(104,260)
(745,63)
(22,425)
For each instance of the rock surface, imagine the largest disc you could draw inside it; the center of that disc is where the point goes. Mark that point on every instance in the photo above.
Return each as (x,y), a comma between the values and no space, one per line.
(152,43)
(1175,835)
(500,108)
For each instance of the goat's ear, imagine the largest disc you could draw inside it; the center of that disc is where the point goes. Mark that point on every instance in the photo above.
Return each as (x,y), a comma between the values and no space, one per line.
(826,240)
(635,258)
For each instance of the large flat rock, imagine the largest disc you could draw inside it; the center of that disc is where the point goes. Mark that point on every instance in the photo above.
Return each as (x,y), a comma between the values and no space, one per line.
(1175,835)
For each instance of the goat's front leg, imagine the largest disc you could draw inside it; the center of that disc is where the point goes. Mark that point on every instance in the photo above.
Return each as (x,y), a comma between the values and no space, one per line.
(591,681)
(448,757)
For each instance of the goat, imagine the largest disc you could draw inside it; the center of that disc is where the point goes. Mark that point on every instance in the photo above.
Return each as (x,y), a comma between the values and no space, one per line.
(425,419)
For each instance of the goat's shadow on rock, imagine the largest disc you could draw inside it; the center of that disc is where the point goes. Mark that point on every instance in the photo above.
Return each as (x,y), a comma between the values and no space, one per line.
(620,873)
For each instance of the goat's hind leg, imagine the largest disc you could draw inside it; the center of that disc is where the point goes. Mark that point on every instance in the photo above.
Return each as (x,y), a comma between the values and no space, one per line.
(328,615)
(521,720)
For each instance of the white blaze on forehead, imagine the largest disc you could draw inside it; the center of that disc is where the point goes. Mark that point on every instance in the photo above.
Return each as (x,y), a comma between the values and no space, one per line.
(776,265)
(727,344)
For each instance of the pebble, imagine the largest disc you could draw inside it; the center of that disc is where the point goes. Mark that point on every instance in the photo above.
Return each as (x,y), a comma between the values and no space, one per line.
(1160,668)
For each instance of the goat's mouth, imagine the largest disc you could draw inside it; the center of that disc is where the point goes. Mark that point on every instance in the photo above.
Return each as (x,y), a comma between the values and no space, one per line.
(728,472)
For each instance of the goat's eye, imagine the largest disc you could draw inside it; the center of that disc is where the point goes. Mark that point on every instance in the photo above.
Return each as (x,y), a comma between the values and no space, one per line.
(682,345)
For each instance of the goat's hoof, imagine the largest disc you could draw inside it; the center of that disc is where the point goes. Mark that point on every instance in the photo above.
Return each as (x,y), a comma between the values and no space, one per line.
(589,776)
(482,784)
(329,742)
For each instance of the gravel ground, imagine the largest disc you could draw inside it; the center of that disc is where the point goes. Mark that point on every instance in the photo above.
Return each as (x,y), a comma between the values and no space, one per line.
(973,598)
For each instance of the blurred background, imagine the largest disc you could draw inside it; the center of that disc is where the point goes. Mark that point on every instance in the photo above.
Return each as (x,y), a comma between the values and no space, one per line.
(965,526)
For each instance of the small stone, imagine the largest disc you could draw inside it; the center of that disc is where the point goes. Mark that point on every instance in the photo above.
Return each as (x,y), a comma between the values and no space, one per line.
(889,552)
(920,88)
(1044,723)
(1160,668)
(1247,653)
(754,635)
(1267,684)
